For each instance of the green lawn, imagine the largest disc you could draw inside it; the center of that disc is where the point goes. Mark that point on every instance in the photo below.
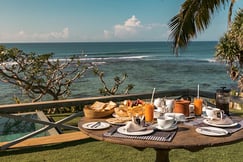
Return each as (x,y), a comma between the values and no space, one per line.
(90,150)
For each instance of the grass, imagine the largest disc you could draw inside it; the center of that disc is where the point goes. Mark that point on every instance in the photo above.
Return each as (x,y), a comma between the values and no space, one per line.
(90,150)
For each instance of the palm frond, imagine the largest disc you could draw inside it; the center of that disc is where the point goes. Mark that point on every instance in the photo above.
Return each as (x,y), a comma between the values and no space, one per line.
(193,17)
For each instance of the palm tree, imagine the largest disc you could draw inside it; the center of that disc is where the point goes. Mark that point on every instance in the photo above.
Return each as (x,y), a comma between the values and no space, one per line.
(230,49)
(194,17)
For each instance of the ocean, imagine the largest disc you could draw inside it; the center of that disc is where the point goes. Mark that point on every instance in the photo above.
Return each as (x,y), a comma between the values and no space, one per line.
(148,65)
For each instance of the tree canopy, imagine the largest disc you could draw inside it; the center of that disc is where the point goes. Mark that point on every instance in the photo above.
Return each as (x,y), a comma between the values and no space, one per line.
(39,75)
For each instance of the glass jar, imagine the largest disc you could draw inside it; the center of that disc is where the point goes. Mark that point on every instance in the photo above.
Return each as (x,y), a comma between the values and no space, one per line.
(223,99)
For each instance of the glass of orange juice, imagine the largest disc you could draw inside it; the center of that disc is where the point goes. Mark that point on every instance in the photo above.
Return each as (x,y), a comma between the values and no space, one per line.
(149,112)
(198,103)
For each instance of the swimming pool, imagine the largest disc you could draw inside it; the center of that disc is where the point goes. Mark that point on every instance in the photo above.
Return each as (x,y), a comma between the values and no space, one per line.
(11,129)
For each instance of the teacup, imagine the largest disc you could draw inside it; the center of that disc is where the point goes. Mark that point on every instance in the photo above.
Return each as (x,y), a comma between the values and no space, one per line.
(180,117)
(212,113)
(166,122)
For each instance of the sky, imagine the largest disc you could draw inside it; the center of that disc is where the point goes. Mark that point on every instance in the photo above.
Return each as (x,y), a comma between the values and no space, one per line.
(96,20)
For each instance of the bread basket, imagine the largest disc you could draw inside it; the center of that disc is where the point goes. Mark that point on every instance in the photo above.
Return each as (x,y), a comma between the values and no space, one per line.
(90,113)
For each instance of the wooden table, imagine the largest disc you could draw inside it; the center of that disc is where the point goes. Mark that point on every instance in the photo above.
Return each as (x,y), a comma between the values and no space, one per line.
(186,138)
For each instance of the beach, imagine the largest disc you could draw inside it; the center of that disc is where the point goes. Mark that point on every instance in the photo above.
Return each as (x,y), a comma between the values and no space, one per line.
(148,65)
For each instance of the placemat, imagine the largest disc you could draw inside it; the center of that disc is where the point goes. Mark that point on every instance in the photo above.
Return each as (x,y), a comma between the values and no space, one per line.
(155,136)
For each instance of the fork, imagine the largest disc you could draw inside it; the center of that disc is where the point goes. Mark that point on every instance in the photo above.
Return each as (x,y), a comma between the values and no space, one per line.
(169,136)
(95,125)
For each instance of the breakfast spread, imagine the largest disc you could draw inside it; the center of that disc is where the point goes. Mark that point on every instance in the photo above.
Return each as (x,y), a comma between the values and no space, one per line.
(130,108)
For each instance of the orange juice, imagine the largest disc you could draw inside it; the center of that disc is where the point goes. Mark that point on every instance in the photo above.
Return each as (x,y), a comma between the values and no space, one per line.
(149,112)
(198,106)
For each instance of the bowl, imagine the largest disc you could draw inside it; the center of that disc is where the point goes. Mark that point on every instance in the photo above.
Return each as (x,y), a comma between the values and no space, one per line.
(90,113)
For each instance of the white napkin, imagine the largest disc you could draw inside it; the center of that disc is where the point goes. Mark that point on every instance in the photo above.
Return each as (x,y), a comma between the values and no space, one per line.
(224,121)
(133,127)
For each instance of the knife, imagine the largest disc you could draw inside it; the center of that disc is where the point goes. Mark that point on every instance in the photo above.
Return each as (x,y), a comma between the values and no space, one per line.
(112,130)
(95,125)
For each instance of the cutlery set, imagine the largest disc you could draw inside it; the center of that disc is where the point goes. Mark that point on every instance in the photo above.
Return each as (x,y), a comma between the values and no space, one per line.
(95,125)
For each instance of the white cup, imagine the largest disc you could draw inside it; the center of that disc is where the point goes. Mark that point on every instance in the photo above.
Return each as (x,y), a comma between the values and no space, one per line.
(180,117)
(212,113)
(166,122)
(170,104)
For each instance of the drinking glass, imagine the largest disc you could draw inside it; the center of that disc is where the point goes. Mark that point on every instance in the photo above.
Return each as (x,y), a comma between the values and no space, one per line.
(198,103)
(149,112)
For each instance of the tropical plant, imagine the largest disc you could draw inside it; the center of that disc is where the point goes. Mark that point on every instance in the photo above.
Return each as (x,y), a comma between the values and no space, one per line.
(230,49)
(194,17)
(106,91)
(39,75)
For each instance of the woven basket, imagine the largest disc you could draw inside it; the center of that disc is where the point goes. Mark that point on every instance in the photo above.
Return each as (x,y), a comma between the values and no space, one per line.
(89,113)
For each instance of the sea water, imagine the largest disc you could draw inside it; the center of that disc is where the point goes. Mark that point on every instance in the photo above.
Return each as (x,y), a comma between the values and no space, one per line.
(148,65)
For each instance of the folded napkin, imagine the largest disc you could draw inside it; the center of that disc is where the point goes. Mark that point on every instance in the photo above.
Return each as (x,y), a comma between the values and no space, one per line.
(219,121)
(133,127)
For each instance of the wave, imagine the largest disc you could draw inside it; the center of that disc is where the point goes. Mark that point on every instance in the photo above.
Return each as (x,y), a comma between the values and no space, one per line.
(94,60)
(115,53)
(111,58)
(212,60)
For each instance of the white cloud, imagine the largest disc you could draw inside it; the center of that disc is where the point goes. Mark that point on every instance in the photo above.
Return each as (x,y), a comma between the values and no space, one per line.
(22,36)
(132,22)
(132,28)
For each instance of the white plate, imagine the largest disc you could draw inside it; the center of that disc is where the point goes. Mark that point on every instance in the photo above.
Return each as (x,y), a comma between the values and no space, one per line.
(123,130)
(212,131)
(102,125)
(118,121)
(167,129)
(219,125)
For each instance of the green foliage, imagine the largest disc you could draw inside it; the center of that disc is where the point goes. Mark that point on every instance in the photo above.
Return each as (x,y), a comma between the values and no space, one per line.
(118,81)
(230,49)
(39,75)
(194,17)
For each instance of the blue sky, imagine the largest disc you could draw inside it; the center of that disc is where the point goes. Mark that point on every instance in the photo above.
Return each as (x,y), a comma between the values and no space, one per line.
(95,20)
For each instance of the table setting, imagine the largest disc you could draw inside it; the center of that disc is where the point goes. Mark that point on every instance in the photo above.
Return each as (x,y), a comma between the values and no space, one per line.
(161,118)
(192,125)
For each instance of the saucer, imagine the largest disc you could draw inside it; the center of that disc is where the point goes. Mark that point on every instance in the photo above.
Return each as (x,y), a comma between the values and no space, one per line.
(124,131)
(205,121)
(163,129)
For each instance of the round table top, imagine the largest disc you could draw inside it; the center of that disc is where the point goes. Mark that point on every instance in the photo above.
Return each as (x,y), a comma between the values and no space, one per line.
(186,137)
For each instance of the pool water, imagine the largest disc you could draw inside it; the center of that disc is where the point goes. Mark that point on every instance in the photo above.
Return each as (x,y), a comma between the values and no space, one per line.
(11,129)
